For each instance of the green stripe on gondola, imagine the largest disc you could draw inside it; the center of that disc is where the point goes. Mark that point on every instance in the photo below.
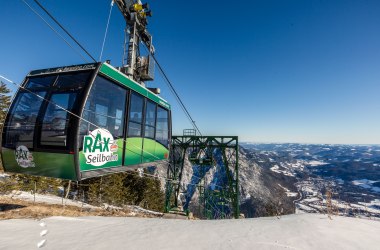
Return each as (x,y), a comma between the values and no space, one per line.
(154,151)
(133,151)
(45,164)
(121,78)
(143,150)
(138,150)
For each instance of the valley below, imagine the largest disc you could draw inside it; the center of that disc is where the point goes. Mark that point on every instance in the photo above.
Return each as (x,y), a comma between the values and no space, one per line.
(330,179)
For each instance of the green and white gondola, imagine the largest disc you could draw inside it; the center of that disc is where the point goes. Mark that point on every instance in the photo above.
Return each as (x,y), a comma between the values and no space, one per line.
(83,121)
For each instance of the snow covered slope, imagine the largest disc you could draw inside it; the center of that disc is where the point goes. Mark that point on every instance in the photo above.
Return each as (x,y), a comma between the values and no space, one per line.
(301,231)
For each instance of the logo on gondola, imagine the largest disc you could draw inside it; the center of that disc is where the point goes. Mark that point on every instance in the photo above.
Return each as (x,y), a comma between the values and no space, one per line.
(99,147)
(24,158)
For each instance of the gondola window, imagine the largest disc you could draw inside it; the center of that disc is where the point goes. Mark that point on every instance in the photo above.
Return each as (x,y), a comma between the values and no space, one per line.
(105,108)
(162,132)
(135,115)
(55,123)
(23,118)
(150,119)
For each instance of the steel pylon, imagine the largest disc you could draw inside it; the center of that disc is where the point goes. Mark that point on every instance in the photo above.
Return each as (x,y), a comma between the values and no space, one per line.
(219,198)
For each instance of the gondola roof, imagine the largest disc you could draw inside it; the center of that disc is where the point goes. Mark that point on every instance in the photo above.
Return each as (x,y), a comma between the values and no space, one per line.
(109,71)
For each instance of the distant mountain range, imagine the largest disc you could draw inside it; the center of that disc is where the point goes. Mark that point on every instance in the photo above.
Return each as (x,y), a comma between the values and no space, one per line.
(309,173)
(277,179)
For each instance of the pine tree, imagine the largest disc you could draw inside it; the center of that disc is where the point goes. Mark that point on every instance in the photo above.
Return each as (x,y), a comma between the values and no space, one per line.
(126,189)
(5,101)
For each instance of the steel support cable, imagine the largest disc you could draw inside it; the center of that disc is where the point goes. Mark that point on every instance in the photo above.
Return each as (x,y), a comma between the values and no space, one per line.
(175,93)
(172,89)
(68,33)
(105,34)
(158,64)
(52,28)
(182,107)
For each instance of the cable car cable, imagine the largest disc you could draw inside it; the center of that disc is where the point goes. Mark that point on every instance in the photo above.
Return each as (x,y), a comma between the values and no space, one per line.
(172,89)
(68,33)
(175,93)
(105,34)
(52,28)
(182,107)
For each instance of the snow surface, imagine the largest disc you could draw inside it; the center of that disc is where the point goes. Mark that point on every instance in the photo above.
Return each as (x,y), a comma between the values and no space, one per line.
(3,176)
(365,183)
(53,199)
(276,169)
(312,199)
(288,193)
(340,181)
(300,231)
(374,203)
(46,198)
(301,208)
(317,163)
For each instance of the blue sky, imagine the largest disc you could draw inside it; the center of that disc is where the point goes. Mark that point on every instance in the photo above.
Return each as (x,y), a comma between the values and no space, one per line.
(268,71)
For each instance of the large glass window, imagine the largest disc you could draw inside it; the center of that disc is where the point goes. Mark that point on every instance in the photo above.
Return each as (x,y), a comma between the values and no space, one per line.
(55,122)
(31,114)
(105,108)
(20,128)
(76,81)
(40,82)
(150,119)
(135,115)
(162,127)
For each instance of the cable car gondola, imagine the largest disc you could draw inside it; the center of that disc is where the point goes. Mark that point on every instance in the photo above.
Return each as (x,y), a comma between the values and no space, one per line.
(82,121)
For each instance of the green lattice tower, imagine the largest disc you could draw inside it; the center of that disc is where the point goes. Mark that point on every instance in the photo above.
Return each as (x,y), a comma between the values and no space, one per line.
(199,146)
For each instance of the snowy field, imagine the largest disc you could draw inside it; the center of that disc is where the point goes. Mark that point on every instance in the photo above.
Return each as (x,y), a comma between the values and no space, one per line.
(301,231)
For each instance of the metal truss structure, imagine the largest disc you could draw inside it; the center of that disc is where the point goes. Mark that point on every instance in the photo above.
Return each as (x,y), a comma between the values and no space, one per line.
(218,198)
